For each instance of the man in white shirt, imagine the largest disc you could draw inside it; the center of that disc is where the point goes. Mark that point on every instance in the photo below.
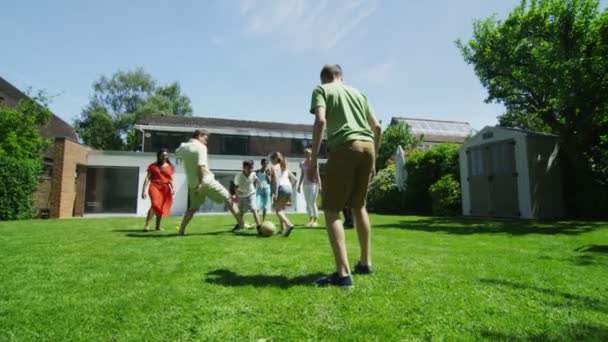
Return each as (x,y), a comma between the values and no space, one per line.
(201,181)
(246,183)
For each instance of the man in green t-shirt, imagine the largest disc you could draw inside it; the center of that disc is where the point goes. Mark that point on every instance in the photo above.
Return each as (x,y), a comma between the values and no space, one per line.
(354,135)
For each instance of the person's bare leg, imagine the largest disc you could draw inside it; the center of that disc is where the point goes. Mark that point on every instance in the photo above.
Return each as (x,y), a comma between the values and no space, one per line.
(256,217)
(335,232)
(159,218)
(148,219)
(187,217)
(364,232)
(263,215)
(235,212)
(281,214)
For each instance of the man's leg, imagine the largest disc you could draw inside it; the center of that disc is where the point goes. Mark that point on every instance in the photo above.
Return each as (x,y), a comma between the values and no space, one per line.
(187,217)
(335,231)
(364,232)
(235,212)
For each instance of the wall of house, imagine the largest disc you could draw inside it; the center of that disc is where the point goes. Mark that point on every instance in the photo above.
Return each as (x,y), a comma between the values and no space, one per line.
(220,164)
(255,145)
(66,182)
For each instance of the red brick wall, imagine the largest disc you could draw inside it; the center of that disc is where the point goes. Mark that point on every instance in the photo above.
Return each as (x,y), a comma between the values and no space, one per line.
(67,155)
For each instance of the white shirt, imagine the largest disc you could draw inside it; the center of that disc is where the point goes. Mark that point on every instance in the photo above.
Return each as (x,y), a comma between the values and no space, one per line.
(194,155)
(246,184)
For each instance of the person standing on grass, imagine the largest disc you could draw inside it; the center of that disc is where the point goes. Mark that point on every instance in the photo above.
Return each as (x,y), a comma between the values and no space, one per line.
(283,182)
(159,185)
(312,186)
(246,183)
(264,193)
(201,181)
(353,139)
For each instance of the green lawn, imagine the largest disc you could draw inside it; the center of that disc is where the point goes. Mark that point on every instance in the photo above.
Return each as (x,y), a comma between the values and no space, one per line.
(103,279)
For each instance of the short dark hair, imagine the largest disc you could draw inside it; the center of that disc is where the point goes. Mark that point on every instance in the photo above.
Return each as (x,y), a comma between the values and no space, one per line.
(331,72)
(248,163)
(264,161)
(199,133)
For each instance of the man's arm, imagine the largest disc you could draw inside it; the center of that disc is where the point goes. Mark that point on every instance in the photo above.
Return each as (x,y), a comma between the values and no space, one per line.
(317,132)
(317,137)
(375,125)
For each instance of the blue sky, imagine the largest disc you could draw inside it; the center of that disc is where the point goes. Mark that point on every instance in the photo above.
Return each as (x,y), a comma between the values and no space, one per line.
(254,59)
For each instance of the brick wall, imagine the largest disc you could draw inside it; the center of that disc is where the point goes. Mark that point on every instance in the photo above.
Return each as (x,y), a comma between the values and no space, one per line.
(65,192)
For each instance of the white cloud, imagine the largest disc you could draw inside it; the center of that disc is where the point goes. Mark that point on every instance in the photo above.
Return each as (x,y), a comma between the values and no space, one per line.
(376,74)
(305,24)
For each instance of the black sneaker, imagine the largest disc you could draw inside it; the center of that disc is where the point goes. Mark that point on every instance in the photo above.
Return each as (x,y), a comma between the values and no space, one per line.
(362,269)
(288,231)
(236,228)
(335,280)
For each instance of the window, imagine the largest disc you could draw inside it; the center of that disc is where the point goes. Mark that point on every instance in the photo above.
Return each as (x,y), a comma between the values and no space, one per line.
(298,145)
(235,145)
(168,140)
(111,190)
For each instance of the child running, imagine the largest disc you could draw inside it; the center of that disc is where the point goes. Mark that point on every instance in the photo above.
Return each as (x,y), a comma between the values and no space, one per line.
(283,182)
(264,191)
(246,183)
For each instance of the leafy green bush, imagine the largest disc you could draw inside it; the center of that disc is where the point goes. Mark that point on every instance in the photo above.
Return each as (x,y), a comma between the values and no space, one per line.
(19,180)
(424,168)
(383,196)
(445,196)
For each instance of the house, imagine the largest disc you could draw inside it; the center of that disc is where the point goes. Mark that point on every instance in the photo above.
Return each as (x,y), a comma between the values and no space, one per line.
(508,172)
(57,129)
(435,132)
(114,178)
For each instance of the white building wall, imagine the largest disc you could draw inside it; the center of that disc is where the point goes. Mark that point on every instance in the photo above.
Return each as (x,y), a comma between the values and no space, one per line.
(219,164)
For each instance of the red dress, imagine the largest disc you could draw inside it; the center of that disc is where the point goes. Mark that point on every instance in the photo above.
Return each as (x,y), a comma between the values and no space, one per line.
(160,189)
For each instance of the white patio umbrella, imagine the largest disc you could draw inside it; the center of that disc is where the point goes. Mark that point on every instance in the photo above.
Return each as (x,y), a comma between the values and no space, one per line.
(401,172)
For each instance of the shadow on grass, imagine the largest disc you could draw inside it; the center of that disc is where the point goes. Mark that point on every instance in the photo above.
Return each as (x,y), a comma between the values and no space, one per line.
(576,300)
(572,332)
(466,226)
(593,249)
(152,235)
(229,278)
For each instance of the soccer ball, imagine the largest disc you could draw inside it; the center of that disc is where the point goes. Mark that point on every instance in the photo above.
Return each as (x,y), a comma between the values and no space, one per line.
(267,228)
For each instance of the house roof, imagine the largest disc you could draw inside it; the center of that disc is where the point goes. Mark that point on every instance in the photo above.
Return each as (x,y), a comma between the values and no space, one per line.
(437,130)
(56,127)
(211,123)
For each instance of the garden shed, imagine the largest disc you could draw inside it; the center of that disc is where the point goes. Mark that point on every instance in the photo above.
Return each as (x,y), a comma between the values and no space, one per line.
(507,172)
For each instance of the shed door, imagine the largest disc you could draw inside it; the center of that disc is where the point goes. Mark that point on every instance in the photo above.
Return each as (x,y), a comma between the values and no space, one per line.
(478,181)
(503,179)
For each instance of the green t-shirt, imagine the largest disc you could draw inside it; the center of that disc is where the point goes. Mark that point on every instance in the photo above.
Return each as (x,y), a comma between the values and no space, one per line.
(346,111)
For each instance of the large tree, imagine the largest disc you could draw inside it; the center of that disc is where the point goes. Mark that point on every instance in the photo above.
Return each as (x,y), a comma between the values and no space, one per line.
(119,101)
(20,128)
(547,62)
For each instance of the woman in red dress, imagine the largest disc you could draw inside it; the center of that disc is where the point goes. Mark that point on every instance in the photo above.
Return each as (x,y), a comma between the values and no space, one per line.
(159,184)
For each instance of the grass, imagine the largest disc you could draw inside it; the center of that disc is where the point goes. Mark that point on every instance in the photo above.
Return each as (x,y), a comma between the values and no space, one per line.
(437,279)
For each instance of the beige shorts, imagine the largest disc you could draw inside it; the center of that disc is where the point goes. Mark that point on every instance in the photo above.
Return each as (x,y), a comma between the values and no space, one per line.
(213,190)
(349,167)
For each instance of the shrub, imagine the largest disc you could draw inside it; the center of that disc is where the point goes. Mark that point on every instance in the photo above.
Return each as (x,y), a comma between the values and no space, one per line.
(19,180)
(445,196)
(383,196)
(424,168)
